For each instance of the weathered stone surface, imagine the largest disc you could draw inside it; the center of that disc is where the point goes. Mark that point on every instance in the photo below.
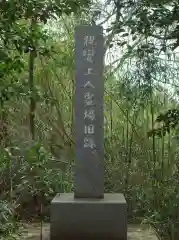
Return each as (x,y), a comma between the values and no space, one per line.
(88,218)
(89,116)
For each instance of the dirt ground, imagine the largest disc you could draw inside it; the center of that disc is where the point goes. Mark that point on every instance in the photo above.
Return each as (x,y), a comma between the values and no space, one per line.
(135,232)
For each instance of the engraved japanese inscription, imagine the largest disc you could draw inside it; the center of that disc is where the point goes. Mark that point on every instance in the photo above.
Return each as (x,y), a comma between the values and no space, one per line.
(89,118)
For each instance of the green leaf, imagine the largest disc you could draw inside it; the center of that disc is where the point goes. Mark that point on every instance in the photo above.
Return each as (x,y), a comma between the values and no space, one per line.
(125,35)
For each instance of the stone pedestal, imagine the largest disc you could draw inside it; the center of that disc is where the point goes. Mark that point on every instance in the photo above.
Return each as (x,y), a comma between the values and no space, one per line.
(88,218)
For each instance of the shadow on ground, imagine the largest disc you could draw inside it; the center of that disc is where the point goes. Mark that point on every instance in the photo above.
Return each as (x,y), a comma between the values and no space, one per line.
(33,232)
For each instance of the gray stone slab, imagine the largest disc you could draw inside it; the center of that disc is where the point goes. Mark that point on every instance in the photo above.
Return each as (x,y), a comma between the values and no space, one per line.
(88,218)
(89,116)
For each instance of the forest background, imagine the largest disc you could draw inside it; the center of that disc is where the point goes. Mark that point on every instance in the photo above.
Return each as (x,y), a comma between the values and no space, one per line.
(141,106)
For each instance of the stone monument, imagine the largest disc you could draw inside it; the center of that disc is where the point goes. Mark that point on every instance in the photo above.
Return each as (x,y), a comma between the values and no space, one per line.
(88,213)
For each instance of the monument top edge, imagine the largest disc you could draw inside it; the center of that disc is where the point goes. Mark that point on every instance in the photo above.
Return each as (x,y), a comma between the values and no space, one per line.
(89,26)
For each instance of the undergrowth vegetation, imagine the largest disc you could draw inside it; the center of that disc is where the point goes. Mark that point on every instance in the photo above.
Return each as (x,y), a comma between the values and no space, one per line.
(37,116)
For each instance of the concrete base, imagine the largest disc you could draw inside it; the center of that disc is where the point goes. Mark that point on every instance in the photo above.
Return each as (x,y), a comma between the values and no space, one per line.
(88,219)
